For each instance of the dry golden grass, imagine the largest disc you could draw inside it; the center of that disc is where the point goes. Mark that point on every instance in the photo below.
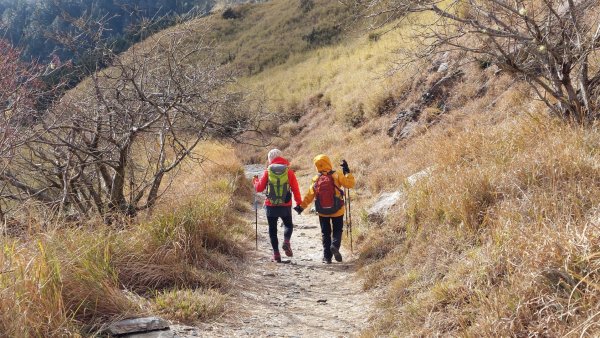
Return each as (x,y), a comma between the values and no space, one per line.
(71,280)
(351,76)
(502,239)
(191,306)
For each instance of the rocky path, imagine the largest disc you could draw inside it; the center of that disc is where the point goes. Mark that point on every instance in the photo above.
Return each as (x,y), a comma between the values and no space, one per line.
(299,298)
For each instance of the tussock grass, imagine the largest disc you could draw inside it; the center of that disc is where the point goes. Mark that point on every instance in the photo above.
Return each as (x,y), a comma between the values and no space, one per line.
(60,280)
(190,306)
(72,280)
(502,239)
(351,76)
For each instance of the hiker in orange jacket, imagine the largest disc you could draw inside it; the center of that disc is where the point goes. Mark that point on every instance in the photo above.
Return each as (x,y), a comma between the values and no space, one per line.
(326,190)
(279,206)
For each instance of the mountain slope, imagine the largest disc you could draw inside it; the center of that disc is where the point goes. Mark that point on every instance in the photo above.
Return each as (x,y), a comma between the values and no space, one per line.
(500,235)
(500,238)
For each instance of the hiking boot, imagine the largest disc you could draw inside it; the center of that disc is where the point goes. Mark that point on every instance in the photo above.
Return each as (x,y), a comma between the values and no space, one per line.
(326,260)
(287,248)
(336,253)
(276,257)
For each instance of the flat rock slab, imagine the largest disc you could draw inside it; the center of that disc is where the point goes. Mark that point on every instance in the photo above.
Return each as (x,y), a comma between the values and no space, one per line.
(154,334)
(414,178)
(385,201)
(137,325)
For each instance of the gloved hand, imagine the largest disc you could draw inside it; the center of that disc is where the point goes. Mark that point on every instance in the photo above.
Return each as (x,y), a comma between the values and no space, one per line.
(345,168)
(299,209)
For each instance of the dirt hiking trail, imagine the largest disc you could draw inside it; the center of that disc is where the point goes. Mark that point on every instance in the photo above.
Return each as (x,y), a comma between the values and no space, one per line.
(301,298)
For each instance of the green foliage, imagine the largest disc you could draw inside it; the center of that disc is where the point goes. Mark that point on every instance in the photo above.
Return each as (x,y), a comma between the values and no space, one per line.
(43,30)
(34,26)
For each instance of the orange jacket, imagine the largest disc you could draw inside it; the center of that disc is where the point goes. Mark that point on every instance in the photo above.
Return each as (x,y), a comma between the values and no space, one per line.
(323,165)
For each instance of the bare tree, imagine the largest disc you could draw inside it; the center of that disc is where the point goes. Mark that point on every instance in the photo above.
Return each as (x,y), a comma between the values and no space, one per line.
(21,88)
(108,146)
(22,96)
(548,43)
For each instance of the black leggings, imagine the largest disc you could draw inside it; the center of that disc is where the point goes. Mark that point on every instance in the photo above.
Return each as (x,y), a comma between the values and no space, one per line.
(287,232)
(327,225)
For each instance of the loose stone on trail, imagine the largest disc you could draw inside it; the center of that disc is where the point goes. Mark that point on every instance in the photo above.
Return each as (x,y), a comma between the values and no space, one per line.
(154,334)
(137,325)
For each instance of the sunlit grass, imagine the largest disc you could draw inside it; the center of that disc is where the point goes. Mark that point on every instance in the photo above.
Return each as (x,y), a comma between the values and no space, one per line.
(347,74)
(71,280)
(495,241)
(190,306)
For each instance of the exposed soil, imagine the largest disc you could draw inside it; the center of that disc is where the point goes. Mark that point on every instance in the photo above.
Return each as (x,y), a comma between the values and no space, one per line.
(300,298)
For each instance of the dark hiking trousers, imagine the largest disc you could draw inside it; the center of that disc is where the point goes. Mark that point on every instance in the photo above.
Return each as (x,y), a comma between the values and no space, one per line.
(329,224)
(273,215)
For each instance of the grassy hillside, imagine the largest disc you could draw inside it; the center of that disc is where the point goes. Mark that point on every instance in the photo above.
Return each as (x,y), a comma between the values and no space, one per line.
(501,239)
(256,37)
(71,278)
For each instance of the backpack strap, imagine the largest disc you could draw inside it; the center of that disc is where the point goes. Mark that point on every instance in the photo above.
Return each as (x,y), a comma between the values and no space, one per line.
(338,188)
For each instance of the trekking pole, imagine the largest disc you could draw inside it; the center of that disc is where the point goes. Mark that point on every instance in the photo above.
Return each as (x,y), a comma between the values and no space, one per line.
(349,218)
(346,212)
(256,219)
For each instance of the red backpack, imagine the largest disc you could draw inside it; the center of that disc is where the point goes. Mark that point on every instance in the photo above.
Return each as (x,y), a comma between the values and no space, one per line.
(326,201)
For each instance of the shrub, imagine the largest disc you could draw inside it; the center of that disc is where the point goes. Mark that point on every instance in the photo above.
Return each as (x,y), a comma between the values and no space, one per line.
(386,105)
(289,129)
(356,116)
(374,36)
(306,5)
(231,14)
(323,36)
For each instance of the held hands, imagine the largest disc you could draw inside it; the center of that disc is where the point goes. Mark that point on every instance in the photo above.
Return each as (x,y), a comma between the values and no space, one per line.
(344,166)
(299,209)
